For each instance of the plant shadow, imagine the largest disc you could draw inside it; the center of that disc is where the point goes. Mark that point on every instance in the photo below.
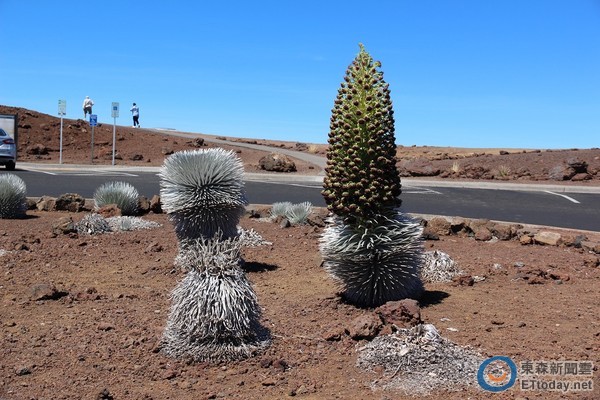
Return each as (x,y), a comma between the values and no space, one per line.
(254,266)
(432,297)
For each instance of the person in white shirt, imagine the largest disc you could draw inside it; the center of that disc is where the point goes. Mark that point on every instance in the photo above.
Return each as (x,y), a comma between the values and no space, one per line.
(87,106)
(135,111)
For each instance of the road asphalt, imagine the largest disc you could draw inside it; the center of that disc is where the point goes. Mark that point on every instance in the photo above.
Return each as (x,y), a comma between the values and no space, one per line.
(282,177)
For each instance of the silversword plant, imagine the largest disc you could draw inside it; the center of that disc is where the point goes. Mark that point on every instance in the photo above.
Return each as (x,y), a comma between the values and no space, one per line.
(121,194)
(203,192)
(372,249)
(13,196)
(214,312)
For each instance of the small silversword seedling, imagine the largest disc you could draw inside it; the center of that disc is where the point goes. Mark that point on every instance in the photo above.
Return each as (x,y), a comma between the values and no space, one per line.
(121,194)
(13,196)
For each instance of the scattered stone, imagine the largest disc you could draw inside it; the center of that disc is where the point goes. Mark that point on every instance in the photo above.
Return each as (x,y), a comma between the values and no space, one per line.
(36,149)
(301,147)
(266,362)
(137,157)
(333,335)
(105,326)
(109,210)
(277,163)
(22,371)
(483,234)
(581,177)
(285,223)
(71,202)
(88,294)
(46,203)
(46,291)
(403,314)
(281,365)
(63,226)
(143,205)
(365,327)
(547,238)
(591,261)
(154,247)
(526,239)
(590,246)
(504,231)
(104,395)
(561,173)
(438,226)
(463,280)
(155,205)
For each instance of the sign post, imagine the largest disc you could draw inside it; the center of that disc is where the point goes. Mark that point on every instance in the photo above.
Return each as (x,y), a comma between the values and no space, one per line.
(93,123)
(115,115)
(62,111)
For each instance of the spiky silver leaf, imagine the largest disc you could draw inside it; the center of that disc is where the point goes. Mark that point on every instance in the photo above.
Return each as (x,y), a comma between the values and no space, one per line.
(13,196)
(377,263)
(203,192)
(280,208)
(215,257)
(299,213)
(122,194)
(214,314)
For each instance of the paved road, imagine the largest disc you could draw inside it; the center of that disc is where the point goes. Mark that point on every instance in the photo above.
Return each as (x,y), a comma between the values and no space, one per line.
(540,204)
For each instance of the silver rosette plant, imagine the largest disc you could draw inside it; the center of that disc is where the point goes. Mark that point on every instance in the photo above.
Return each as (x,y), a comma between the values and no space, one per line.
(121,194)
(214,313)
(369,246)
(203,192)
(13,196)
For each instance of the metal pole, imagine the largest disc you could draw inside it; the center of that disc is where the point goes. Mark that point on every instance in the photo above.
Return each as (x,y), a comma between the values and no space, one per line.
(61,136)
(92,147)
(114,137)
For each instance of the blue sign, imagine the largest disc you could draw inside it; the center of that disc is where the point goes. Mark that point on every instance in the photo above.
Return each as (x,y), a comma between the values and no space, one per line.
(93,120)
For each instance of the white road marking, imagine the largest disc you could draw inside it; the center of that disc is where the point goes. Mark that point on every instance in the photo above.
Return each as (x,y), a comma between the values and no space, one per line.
(562,195)
(419,190)
(85,173)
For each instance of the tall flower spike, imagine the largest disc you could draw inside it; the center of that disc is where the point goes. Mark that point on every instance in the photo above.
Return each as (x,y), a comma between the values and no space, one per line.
(362,177)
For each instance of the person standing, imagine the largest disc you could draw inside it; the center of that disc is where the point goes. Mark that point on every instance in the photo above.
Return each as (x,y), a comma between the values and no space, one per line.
(135,111)
(87,106)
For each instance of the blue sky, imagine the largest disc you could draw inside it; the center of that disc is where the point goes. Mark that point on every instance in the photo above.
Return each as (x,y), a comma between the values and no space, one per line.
(506,73)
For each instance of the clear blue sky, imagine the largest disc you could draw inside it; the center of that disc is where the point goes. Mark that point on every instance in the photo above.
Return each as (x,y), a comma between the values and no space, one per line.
(478,73)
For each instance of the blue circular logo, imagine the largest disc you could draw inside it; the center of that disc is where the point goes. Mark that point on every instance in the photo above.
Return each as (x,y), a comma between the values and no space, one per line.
(497,374)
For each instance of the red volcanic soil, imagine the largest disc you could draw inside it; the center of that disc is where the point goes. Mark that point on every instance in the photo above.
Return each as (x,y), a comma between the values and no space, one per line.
(81,317)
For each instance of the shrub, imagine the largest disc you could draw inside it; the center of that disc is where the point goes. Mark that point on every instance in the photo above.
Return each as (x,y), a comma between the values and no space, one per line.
(13,196)
(280,209)
(295,213)
(203,192)
(299,213)
(214,313)
(122,194)
(369,246)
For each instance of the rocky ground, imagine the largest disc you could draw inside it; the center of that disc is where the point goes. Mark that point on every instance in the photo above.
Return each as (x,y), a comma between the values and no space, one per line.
(81,318)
